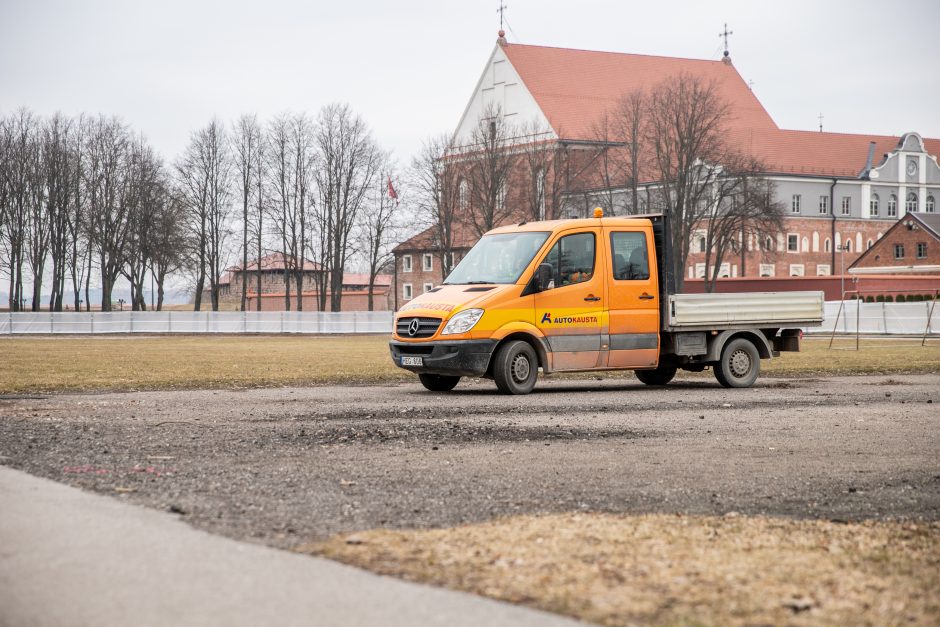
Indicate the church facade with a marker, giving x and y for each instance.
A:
(840, 192)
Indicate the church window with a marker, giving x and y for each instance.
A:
(892, 206)
(931, 204)
(911, 204)
(846, 205)
(824, 204)
(795, 203)
(875, 201)
(463, 194)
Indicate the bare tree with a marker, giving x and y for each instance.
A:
(109, 198)
(246, 144)
(59, 154)
(377, 227)
(685, 120)
(18, 169)
(542, 168)
(144, 195)
(170, 240)
(290, 164)
(489, 159)
(348, 161)
(742, 210)
(442, 196)
(629, 117)
(205, 173)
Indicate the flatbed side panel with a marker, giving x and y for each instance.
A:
(772, 309)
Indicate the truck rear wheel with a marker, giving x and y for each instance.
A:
(515, 368)
(657, 376)
(438, 382)
(739, 364)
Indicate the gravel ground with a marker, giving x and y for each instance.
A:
(288, 466)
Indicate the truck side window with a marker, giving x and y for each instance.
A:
(630, 260)
(572, 259)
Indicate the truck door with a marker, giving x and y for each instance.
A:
(571, 313)
(634, 299)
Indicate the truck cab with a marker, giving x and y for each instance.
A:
(564, 296)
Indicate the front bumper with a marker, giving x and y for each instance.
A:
(465, 358)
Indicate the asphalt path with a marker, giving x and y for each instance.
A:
(284, 467)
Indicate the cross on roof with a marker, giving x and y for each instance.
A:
(820, 116)
(724, 35)
(500, 10)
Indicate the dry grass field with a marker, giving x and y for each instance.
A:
(102, 363)
(674, 570)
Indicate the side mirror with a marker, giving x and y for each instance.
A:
(544, 276)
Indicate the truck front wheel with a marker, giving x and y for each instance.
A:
(739, 364)
(438, 382)
(515, 368)
(658, 376)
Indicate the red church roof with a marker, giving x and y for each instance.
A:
(574, 88)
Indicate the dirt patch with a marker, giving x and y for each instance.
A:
(666, 569)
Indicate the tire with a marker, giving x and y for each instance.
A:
(739, 364)
(438, 382)
(515, 368)
(659, 376)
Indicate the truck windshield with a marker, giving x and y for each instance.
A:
(498, 258)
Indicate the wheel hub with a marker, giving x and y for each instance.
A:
(740, 363)
(520, 368)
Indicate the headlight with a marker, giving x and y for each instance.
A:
(462, 322)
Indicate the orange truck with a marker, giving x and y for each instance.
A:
(587, 295)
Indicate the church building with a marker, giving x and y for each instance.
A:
(840, 192)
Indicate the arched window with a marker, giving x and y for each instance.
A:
(805, 245)
(828, 246)
(858, 242)
(892, 206)
(911, 205)
(701, 244)
(931, 204)
(463, 194)
(870, 243)
(815, 242)
(501, 196)
(874, 204)
(848, 246)
(769, 243)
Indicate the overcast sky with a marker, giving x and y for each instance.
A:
(409, 67)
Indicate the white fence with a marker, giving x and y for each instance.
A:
(872, 318)
(880, 318)
(312, 322)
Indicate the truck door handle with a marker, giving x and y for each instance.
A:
(592, 298)
(645, 296)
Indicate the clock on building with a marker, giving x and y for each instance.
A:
(911, 167)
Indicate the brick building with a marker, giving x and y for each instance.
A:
(271, 267)
(842, 192)
(910, 246)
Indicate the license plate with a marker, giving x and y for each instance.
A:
(412, 361)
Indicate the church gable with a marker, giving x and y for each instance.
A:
(500, 87)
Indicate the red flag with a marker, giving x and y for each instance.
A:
(391, 190)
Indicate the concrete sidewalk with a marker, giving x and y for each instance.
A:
(68, 557)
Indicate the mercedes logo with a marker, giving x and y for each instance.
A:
(413, 327)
